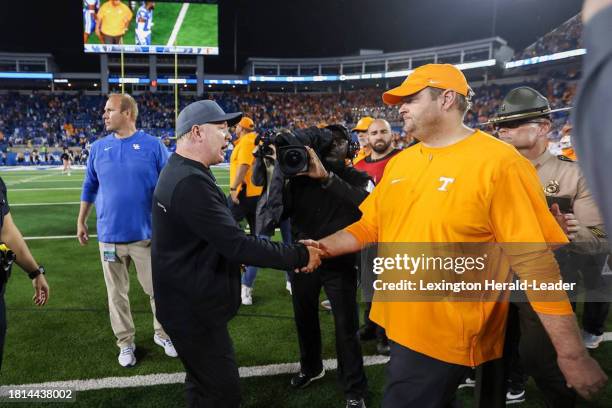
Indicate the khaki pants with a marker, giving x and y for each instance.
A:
(118, 286)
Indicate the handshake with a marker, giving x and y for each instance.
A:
(316, 253)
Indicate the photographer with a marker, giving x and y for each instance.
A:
(322, 194)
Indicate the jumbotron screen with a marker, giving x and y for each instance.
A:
(150, 27)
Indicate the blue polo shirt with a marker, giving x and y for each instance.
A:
(120, 178)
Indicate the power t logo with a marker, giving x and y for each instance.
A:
(445, 182)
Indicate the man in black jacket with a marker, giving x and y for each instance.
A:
(319, 202)
(197, 249)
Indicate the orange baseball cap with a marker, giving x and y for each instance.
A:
(363, 124)
(247, 123)
(443, 76)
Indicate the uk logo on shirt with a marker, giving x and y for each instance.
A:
(136, 146)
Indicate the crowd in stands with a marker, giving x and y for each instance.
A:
(73, 120)
(568, 36)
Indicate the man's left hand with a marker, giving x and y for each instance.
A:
(41, 290)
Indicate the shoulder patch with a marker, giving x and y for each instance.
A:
(598, 232)
(565, 158)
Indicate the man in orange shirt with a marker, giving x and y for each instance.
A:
(112, 21)
(361, 128)
(243, 193)
(460, 186)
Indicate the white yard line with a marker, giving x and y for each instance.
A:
(177, 378)
(56, 237)
(43, 204)
(67, 180)
(44, 189)
(178, 24)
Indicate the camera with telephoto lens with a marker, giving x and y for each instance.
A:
(291, 145)
(293, 159)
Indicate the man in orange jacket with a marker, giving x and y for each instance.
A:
(460, 186)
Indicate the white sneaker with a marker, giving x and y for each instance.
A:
(127, 358)
(247, 295)
(326, 304)
(288, 287)
(590, 340)
(166, 344)
(515, 397)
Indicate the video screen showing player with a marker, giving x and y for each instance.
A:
(90, 11)
(127, 26)
(144, 23)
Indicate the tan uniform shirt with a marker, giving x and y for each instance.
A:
(561, 177)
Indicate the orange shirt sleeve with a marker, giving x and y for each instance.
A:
(523, 223)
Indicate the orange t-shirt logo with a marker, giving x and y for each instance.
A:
(445, 182)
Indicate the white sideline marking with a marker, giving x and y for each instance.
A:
(176, 378)
(45, 189)
(247, 230)
(80, 181)
(178, 24)
(41, 204)
(57, 237)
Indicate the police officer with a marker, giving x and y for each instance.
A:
(524, 121)
(12, 241)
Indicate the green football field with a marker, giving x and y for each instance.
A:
(71, 339)
(198, 28)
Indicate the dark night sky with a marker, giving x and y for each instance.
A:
(299, 28)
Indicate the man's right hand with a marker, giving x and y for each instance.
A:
(314, 260)
(82, 234)
(316, 244)
(583, 374)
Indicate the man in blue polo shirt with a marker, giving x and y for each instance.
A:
(122, 172)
